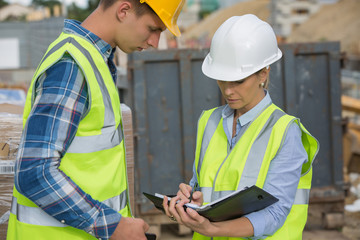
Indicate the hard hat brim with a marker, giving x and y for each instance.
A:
(227, 73)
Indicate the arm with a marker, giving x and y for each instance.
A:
(281, 181)
(61, 101)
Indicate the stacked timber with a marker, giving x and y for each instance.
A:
(10, 133)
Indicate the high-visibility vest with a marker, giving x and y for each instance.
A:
(221, 171)
(95, 160)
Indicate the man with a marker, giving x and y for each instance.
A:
(70, 177)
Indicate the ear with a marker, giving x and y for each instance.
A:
(264, 73)
(122, 10)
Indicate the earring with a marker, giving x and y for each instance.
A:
(262, 84)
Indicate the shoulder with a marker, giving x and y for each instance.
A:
(64, 74)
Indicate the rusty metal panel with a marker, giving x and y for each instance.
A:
(169, 93)
(310, 90)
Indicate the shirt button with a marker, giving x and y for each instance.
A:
(62, 221)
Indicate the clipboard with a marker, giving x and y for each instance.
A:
(234, 205)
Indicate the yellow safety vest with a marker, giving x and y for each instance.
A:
(95, 160)
(221, 171)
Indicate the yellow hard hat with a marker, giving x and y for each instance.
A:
(168, 11)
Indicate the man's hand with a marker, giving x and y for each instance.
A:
(130, 229)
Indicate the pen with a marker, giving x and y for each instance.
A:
(193, 190)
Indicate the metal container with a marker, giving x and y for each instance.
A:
(169, 91)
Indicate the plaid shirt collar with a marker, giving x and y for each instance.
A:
(74, 27)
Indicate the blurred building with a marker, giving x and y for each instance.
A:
(14, 11)
(18, 12)
(286, 15)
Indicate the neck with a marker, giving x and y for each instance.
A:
(99, 23)
(241, 111)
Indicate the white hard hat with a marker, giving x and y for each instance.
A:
(241, 46)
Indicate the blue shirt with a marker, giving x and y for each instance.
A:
(283, 175)
(61, 102)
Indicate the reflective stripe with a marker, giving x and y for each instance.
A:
(109, 117)
(118, 202)
(54, 49)
(37, 216)
(33, 215)
(209, 132)
(209, 195)
(86, 144)
(302, 196)
(257, 152)
(110, 137)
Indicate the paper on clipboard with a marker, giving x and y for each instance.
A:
(234, 205)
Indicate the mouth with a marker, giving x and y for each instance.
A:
(231, 100)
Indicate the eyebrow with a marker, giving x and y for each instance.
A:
(156, 28)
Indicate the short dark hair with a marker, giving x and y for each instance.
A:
(140, 8)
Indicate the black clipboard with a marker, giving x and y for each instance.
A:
(150, 236)
(232, 206)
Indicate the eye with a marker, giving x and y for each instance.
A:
(153, 29)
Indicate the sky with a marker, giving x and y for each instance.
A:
(80, 3)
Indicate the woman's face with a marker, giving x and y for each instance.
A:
(243, 95)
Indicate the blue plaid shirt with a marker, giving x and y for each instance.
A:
(61, 101)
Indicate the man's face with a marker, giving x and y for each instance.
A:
(140, 32)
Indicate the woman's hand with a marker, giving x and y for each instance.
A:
(186, 192)
(175, 210)
(193, 220)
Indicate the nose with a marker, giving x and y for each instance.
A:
(227, 88)
(153, 40)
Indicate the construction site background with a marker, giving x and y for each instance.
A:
(338, 22)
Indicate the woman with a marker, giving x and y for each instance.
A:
(249, 141)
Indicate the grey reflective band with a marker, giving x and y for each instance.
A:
(209, 195)
(302, 196)
(110, 135)
(118, 202)
(54, 49)
(257, 152)
(85, 144)
(33, 215)
(209, 131)
(37, 216)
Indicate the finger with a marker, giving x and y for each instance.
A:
(179, 208)
(173, 210)
(172, 204)
(186, 219)
(146, 227)
(197, 196)
(185, 189)
(166, 206)
(181, 195)
(193, 214)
